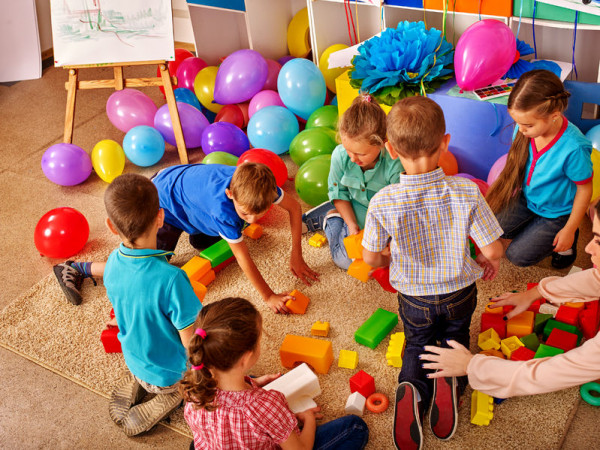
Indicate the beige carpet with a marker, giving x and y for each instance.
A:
(41, 326)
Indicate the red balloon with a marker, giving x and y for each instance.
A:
(244, 108)
(232, 114)
(269, 159)
(61, 232)
(180, 55)
(482, 185)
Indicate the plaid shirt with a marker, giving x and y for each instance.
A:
(249, 419)
(428, 218)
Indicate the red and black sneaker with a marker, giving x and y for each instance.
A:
(408, 429)
(443, 415)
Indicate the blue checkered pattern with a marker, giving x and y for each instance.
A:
(427, 219)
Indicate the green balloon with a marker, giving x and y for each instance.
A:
(312, 142)
(224, 158)
(311, 180)
(325, 116)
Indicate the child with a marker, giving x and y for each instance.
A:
(544, 191)
(502, 378)
(154, 304)
(359, 168)
(427, 219)
(227, 409)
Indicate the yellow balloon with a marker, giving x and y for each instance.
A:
(331, 74)
(297, 34)
(204, 86)
(596, 179)
(108, 159)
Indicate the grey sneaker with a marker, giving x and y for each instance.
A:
(70, 280)
(313, 218)
(125, 395)
(142, 417)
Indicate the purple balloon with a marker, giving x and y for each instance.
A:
(285, 59)
(465, 175)
(224, 137)
(241, 75)
(262, 99)
(273, 68)
(66, 164)
(187, 71)
(130, 108)
(192, 121)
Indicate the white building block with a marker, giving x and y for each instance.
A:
(300, 385)
(355, 404)
(548, 308)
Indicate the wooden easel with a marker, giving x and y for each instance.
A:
(119, 83)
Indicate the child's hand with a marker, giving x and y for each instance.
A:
(277, 303)
(312, 413)
(353, 228)
(490, 267)
(266, 379)
(112, 322)
(300, 269)
(520, 300)
(563, 240)
(449, 362)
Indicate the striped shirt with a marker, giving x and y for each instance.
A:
(427, 219)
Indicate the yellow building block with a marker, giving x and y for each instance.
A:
(482, 408)
(320, 328)
(317, 353)
(493, 309)
(489, 339)
(353, 244)
(510, 344)
(348, 359)
(299, 305)
(207, 278)
(359, 270)
(520, 325)
(199, 290)
(196, 268)
(253, 231)
(395, 350)
(317, 240)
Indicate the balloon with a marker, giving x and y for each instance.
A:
(224, 137)
(496, 169)
(66, 164)
(448, 163)
(273, 68)
(129, 108)
(312, 142)
(108, 159)
(268, 158)
(596, 179)
(325, 116)
(184, 95)
(244, 108)
(187, 71)
(192, 121)
(593, 135)
(482, 185)
(311, 180)
(180, 55)
(334, 101)
(285, 59)
(204, 88)
(484, 52)
(232, 114)
(465, 175)
(227, 159)
(273, 128)
(298, 38)
(61, 233)
(241, 75)
(262, 99)
(144, 146)
(331, 74)
(301, 87)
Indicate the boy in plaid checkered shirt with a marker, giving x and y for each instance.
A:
(427, 219)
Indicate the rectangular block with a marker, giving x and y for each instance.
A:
(300, 385)
(317, 353)
(495, 321)
(353, 244)
(217, 253)
(546, 350)
(502, 8)
(224, 264)
(299, 305)
(199, 289)
(110, 341)
(395, 350)
(207, 278)
(522, 354)
(553, 323)
(562, 339)
(196, 267)
(520, 325)
(376, 327)
(382, 275)
(567, 314)
(253, 231)
(482, 408)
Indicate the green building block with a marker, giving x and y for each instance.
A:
(376, 327)
(553, 323)
(531, 341)
(539, 322)
(217, 253)
(545, 350)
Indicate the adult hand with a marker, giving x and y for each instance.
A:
(449, 362)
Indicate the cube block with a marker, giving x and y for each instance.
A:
(359, 270)
(348, 359)
(363, 383)
(299, 305)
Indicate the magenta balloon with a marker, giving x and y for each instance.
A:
(187, 71)
(273, 68)
(484, 52)
(241, 75)
(66, 164)
(496, 169)
(224, 137)
(192, 121)
(262, 99)
(130, 108)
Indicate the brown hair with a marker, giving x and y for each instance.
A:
(364, 120)
(416, 127)
(131, 202)
(232, 328)
(539, 91)
(253, 186)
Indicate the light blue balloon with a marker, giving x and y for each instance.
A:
(272, 128)
(144, 146)
(301, 87)
(593, 135)
(185, 95)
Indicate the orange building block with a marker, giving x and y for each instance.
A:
(520, 325)
(354, 246)
(207, 278)
(199, 290)
(493, 309)
(359, 270)
(502, 8)
(253, 231)
(196, 268)
(299, 305)
(576, 305)
(317, 353)
(493, 352)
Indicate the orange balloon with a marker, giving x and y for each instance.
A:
(448, 163)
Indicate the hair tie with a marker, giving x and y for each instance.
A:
(200, 332)
(200, 367)
(367, 98)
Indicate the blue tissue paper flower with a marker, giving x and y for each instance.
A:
(393, 65)
(521, 66)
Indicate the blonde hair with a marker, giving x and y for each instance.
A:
(364, 120)
(253, 186)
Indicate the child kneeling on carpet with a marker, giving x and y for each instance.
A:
(154, 303)
(427, 219)
(227, 409)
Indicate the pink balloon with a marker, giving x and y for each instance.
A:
(130, 108)
(262, 99)
(484, 52)
(193, 123)
(273, 68)
(496, 169)
(241, 75)
(187, 71)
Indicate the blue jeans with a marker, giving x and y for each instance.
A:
(347, 433)
(431, 320)
(531, 235)
(336, 230)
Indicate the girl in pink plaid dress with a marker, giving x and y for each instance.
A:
(226, 409)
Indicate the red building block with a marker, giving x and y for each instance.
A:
(495, 321)
(363, 383)
(522, 354)
(112, 313)
(224, 264)
(110, 341)
(535, 306)
(382, 275)
(588, 319)
(561, 339)
(566, 314)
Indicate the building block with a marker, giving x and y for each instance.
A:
(567, 314)
(362, 382)
(207, 278)
(509, 345)
(489, 339)
(493, 352)
(545, 350)
(548, 308)
(299, 305)
(355, 404)
(359, 270)
(348, 359)
(552, 323)
(520, 325)
(577, 305)
(395, 350)
(317, 240)
(253, 231)
(317, 353)
(522, 354)
(491, 308)
(482, 408)
(375, 328)
(300, 385)
(199, 290)
(320, 328)
(535, 306)
(495, 321)
(531, 341)
(353, 244)
(217, 253)
(224, 264)
(588, 320)
(110, 340)
(539, 322)
(111, 313)
(196, 268)
(562, 339)
(382, 275)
